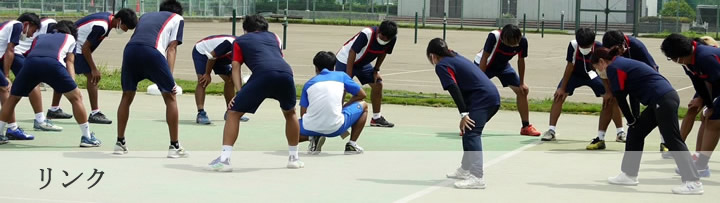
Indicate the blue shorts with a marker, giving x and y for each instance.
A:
(81, 65)
(352, 114)
(574, 82)
(15, 68)
(366, 74)
(262, 85)
(42, 69)
(145, 62)
(222, 65)
(507, 76)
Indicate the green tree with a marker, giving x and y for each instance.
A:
(678, 8)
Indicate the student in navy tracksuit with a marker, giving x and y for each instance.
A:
(500, 47)
(632, 48)
(272, 77)
(92, 30)
(579, 72)
(150, 54)
(702, 65)
(476, 98)
(213, 54)
(644, 85)
(50, 60)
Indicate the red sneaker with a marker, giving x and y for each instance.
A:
(530, 131)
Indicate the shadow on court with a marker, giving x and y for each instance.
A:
(599, 186)
(403, 182)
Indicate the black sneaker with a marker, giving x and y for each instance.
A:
(350, 150)
(59, 114)
(99, 118)
(381, 122)
(316, 143)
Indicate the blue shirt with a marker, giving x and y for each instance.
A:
(638, 51)
(501, 54)
(322, 96)
(93, 29)
(637, 79)
(477, 90)
(10, 32)
(261, 51)
(581, 62)
(54, 45)
(365, 45)
(158, 30)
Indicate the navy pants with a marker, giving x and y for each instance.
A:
(472, 159)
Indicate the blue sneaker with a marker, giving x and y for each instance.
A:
(202, 118)
(90, 142)
(220, 166)
(242, 119)
(18, 134)
(702, 173)
(3, 139)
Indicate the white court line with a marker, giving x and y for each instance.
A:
(37, 200)
(406, 72)
(445, 183)
(684, 88)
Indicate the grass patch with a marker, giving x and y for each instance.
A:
(111, 81)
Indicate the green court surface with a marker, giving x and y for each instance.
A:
(402, 164)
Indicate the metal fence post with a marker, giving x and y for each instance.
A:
(542, 26)
(444, 25)
(524, 23)
(416, 26)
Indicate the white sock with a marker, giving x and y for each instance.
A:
(40, 117)
(226, 151)
(376, 115)
(3, 124)
(293, 151)
(85, 129)
(601, 134)
(620, 130)
(352, 143)
(54, 108)
(12, 126)
(93, 112)
(552, 127)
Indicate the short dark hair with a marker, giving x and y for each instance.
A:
(676, 45)
(171, 6)
(253, 23)
(613, 38)
(388, 29)
(438, 47)
(585, 37)
(604, 53)
(324, 60)
(128, 17)
(511, 34)
(67, 27)
(32, 18)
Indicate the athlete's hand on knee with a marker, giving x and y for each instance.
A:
(524, 89)
(378, 78)
(95, 76)
(205, 80)
(231, 103)
(466, 123)
(695, 103)
(174, 90)
(560, 93)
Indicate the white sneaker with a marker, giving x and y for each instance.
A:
(471, 182)
(623, 179)
(460, 173)
(175, 153)
(220, 166)
(120, 148)
(689, 188)
(621, 137)
(548, 136)
(295, 163)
